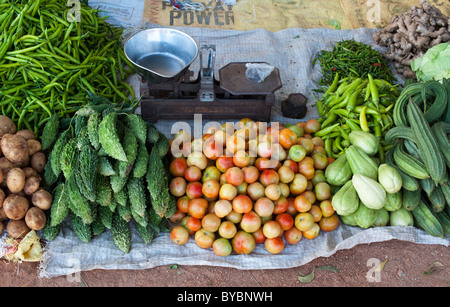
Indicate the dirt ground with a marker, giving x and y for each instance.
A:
(383, 264)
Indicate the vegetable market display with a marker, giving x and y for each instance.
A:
(49, 65)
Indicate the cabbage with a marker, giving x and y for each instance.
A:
(434, 64)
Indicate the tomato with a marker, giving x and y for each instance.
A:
(211, 222)
(194, 190)
(197, 159)
(274, 245)
(329, 223)
(278, 153)
(222, 207)
(228, 128)
(222, 247)
(312, 126)
(223, 163)
(280, 205)
(234, 217)
(235, 143)
(183, 204)
(293, 235)
(297, 153)
(286, 174)
(244, 122)
(179, 235)
(197, 207)
(264, 207)
(243, 242)
(263, 164)
(292, 165)
(234, 176)
(220, 138)
(242, 188)
(318, 141)
(310, 196)
(250, 222)
(272, 229)
(227, 229)
(193, 173)
(320, 160)
(312, 232)
(306, 143)
(318, 149)
(285, 190)
(273, 191)
(296, 129)
(251, 174)
(241, 159)
(327, 208)
(210, 188)
(319, 176)
(256, 190)
(259, 236)
(285, 220)
(178, 167)
(227, 191)
(204, 239)
(323, 191)
(211, 172)
(287, 138)
(264, 149)
(299, 184)
(269, 177)
(316, 212)
(304, 221)
(177, 186)
(242, 204)
(302, 204)
(212, 151)
(291, 206)
(306, 169)
(193, 224)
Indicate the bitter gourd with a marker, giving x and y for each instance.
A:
(121, 234)
(60, 205)
(136, 195)
(69, 157)
(81, 229)
(130, 146)
(50, 132)
(109, 137)
(141, 163)
(136, 124)
(92, 128)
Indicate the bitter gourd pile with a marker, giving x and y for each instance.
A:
(106, 169)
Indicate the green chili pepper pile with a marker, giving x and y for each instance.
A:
(49, 65)
(351, 104)
(351, 58)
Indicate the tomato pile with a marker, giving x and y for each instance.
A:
(246, 184)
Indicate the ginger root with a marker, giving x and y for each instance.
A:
(409, 35)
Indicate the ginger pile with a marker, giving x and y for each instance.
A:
(409, 35)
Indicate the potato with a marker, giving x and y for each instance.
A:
(15, 180)
(14, 148)
(7, 126)
(31, 172)
(3, 216)
(2, 227)
(17, 229)
(38, 161)
(16, 206)
(27, 134)
(31, 185)
(2, 197)
(42, 199)
(35, 218)
(5, 166)
(33, 146)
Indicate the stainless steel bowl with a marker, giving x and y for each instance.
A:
(161, 55)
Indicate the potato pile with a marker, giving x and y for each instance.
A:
(22, 199)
